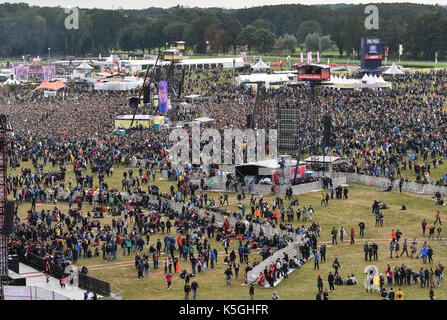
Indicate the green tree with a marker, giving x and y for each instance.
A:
(232, 30)
(247, 37)
(307, 27)
(265, 40)
(313, 41)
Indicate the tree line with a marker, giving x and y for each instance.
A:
(25, 29)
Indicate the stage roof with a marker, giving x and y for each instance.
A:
(56, 85)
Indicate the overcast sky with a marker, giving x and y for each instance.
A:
(141, 4)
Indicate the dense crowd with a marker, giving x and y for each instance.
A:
(382, 133)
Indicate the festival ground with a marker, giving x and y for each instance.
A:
(302, 283)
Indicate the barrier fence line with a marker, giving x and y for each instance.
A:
(85, 282)
(380, 182)
(291, 250)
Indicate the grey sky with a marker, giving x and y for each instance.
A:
(141, 4)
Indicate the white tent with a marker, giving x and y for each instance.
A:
(260, 65)
(84, 66)
(118, 85)
(11, 82)
(262, 77)
(393, 70)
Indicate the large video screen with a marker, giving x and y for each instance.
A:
(163, 105)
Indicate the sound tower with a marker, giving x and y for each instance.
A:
(8, 218)
(288, 128)
(326, 130)
(249, 116)
(146, 94)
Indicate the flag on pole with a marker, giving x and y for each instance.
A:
(234, 62)
(401, 49)
(288, 62)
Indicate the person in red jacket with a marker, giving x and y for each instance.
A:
(424, 227)
(389, 275)
(352, 235)
(168, 280)
(438, 218)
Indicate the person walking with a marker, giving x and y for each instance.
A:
(330, 280)
(316, 260)
(439, 229)
(251, 292)
(438, 218)
(320, 283)
(391, 249)
(323, 253)
(194, 287)
(404, 248)
(362, 228)
(169, 280)
(334, 236)
(424, 227)
(352, 236)
(367, 251)
(341, 232)
(325, 295)
(228, 273)
(336, 265)
(187, 289)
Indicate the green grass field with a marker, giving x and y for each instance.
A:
(302, 283)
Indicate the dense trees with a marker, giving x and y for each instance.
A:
(32, 30)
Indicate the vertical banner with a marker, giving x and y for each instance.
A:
(318, 56)
(302, 57)
(309, 56)
(163, 105)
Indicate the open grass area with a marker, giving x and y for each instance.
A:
(302, 283)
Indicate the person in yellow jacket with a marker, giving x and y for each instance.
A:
(399, 295)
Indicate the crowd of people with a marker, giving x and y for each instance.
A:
(382, 133)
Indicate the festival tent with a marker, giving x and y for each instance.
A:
(260, 65)
(393, 70)
(262, 77)
(204, 120)
(118, 85)
(56, 85)
(84, 66)
(11, 82)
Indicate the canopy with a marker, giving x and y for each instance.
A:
(56, 85)
(260, 65)
(11, 82)
(118, 85)
(393, 70)
(204, 119)
(262, 77)
(84, 66)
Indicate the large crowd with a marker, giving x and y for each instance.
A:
(381, 133)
